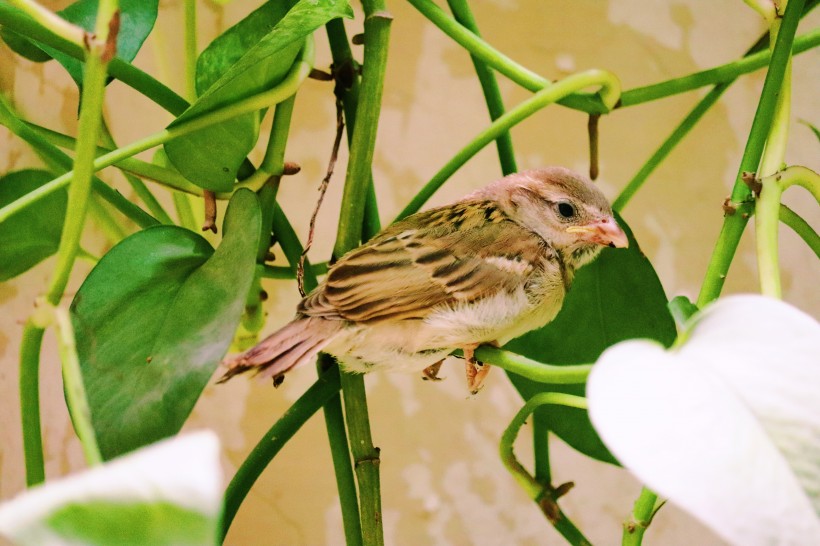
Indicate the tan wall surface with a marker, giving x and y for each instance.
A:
(442, 480)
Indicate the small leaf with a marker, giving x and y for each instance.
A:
(682, 309)
(32, 235)
(616, 297)
(154, 318)
(248, 59)
(726, 425)
(168, 493)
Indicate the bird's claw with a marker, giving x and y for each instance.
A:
(431, 372)
(476, 371)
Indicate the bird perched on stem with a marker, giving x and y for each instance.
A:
(482, 270)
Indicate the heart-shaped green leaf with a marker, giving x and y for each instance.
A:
(250, 57)
(154, 318)
(616, 297)
(32, 235)
(726, 424)
(165, 494)
(137, 18)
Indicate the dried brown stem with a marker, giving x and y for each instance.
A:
(340, 124)
(209, 199)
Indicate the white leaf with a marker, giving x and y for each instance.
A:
(176, 478)
(727, 425)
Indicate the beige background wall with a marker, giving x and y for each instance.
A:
(442, 480)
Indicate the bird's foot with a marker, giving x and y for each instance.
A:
(476, 371)
(431, 372)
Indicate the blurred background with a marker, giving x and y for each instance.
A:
(442, 480)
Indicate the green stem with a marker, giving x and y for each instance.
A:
(78, 197)
(668, 145)
(51, 21)
(76, 398)
(723, 73)
(541, 447)
(489, 85)
(113, 231)
(801, 227)
(274, 440)
(734, 224)
(59, 162)
(482, 50)
(185, 212)
(362, 146)
(532, 369)
(136, 184)
(347, 68)
(363, 141)
(140, 81)
(190, 50)
(342, 466)
(767, 211)
(281, 272)
(167, 177)
(30, 345)
(639, 520)
(610, 89)
(589, 103)
(541, 493)
(265, 99)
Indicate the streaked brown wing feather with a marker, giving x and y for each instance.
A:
(446, 256)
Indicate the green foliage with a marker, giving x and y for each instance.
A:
(154, 318)
(33, 235)
(250, 57)
(160, 309)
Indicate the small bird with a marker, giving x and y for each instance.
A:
(483, 270)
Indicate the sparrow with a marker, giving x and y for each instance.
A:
(483, 270)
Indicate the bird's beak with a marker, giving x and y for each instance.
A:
(603, 232)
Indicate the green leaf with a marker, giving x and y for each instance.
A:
(23, 46)
(682, 309)
(249, 58)
(137, 19)
(616, 297)
(165, 494)
(32, 235)
(154, 318)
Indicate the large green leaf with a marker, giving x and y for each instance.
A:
(137, 19)
(617, 297)
(153, 320)
(32, 235)
(249, 58)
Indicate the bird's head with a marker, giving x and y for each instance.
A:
(564, 208)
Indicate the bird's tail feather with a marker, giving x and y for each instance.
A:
(294, 344)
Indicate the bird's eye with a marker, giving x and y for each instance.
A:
(566, 210)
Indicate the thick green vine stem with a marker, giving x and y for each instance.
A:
(644, 509)
(489, 85)
(767, 213)
(531, 369)
(734, 224)
(274, 440)
(75, 395)
(101, 48)
(362, 146)
(542, 493)
(609, 93)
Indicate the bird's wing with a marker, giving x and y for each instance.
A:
(454, 254)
